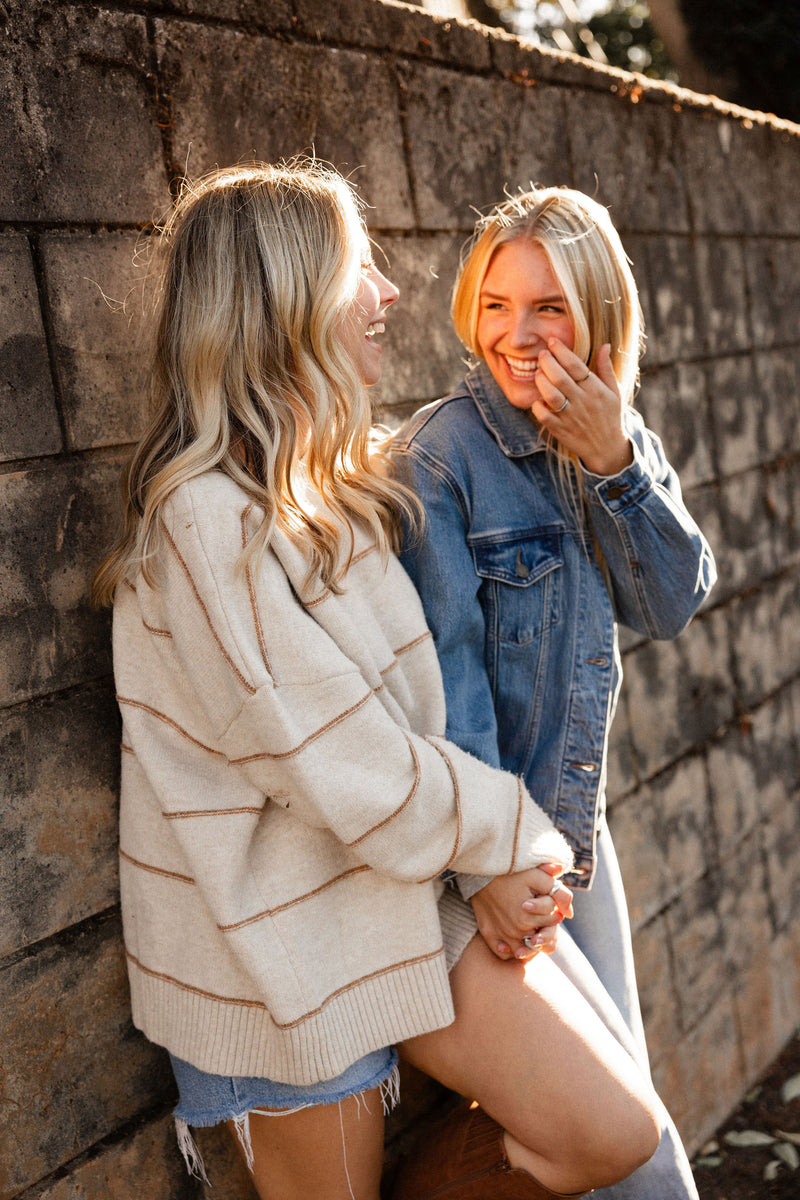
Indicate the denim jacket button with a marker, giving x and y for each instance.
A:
(616, 490)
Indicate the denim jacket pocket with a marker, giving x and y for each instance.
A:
(520, 591)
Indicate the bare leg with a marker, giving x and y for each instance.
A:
(330, 1152)
(577, 1111)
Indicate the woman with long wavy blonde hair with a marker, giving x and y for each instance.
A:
(289, 805)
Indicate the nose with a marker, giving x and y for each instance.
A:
(522, 331)
(386, 289)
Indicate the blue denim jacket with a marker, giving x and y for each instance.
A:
(524, 620)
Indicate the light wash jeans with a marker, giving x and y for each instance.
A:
(600, 933)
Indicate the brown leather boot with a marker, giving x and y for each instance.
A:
(463, 1157)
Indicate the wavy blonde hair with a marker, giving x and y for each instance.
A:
(259, 265)
(588, 260)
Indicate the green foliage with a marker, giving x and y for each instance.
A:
(628, 39)
(754, 44)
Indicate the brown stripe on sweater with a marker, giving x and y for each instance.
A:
(279, 908)
(172, 724)
(249, 687)
(127, 749)
(457, 798)
(135, 862)
(188, 987)
(408, 799)
(423, 637)
(312, 737)
(262, 645)
(158, 632)
(183, 814)
(517, 827)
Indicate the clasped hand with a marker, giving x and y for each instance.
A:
(513, 907)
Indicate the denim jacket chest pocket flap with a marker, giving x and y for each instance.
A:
(520, 589)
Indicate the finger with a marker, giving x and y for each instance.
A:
(605, 371)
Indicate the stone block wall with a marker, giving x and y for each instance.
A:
(106, 104)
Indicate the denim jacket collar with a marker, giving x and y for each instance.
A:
(512, 427)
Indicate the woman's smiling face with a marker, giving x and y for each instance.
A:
(521, 306)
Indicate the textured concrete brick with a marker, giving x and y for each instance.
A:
(767, 998)
(679, 692)
(737, 419)
(225, 1166)
(743, 904)
(747, 158)
(663, 835)
(704, 1076)
(74, 1069)
(508, 136)
(422, 358)
(55, 524)
(697, 939)
(235, 96)
(82, 141)
(95, 292)
(723, 294)
(146, 1163)
(629, 156)
(404, 29)
(776, 750)
(777, 398)
(657, 995)
(674, 403)
(674, 330)
(747, 526)
(622, 774)
(772, 269)
(782, 848)
(765, 638)
(733, 788)
(28, 417)
(277, 16)
(58, 823)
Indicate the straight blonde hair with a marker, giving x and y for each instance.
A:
(256, 268)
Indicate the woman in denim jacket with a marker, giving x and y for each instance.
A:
(552, 514)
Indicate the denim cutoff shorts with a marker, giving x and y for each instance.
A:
(207, 1099)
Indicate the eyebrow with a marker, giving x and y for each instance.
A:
(485, 294)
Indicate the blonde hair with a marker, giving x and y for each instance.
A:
(587, 259)
(259, 265)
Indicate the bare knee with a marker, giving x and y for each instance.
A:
(628, 1146)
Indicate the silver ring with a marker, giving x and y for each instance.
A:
(557, 886)
(526, 941)
(563, 406)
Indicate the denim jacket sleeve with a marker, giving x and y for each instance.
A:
(440, 565)
(661, 566)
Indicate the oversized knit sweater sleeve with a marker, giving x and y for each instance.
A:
(229, 676)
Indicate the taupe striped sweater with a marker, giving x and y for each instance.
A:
(288, 804)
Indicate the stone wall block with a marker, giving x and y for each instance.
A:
(765, 640)
(657, 995)
(235, 96)
(422, 358)
(74, 1068)
(743, 904)
(722, 285)
(782, 846)
(674, 328)
(56, 521)
(679, 692)
(95, 285)
(698, 944)
(776, 749)
(28, 417)
(777, 399)
(631, 157)
(730, 149)
(622, 773)
(82, 142)
(275, 17)
(673, 402)
(407, 31)
(482, 116)
(747, 524)
(663, 836)
(146, 1163)
(704, 1075)
(772, 268)
(59, 764)
(736, 414)
(733, 788)
(766, 999)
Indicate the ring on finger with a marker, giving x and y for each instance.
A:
(583, 377)
(526, 941)
(563, 406)
(557, 886)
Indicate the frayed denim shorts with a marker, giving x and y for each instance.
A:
(206, 1099)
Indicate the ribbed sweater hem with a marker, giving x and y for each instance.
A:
(230, 1038)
